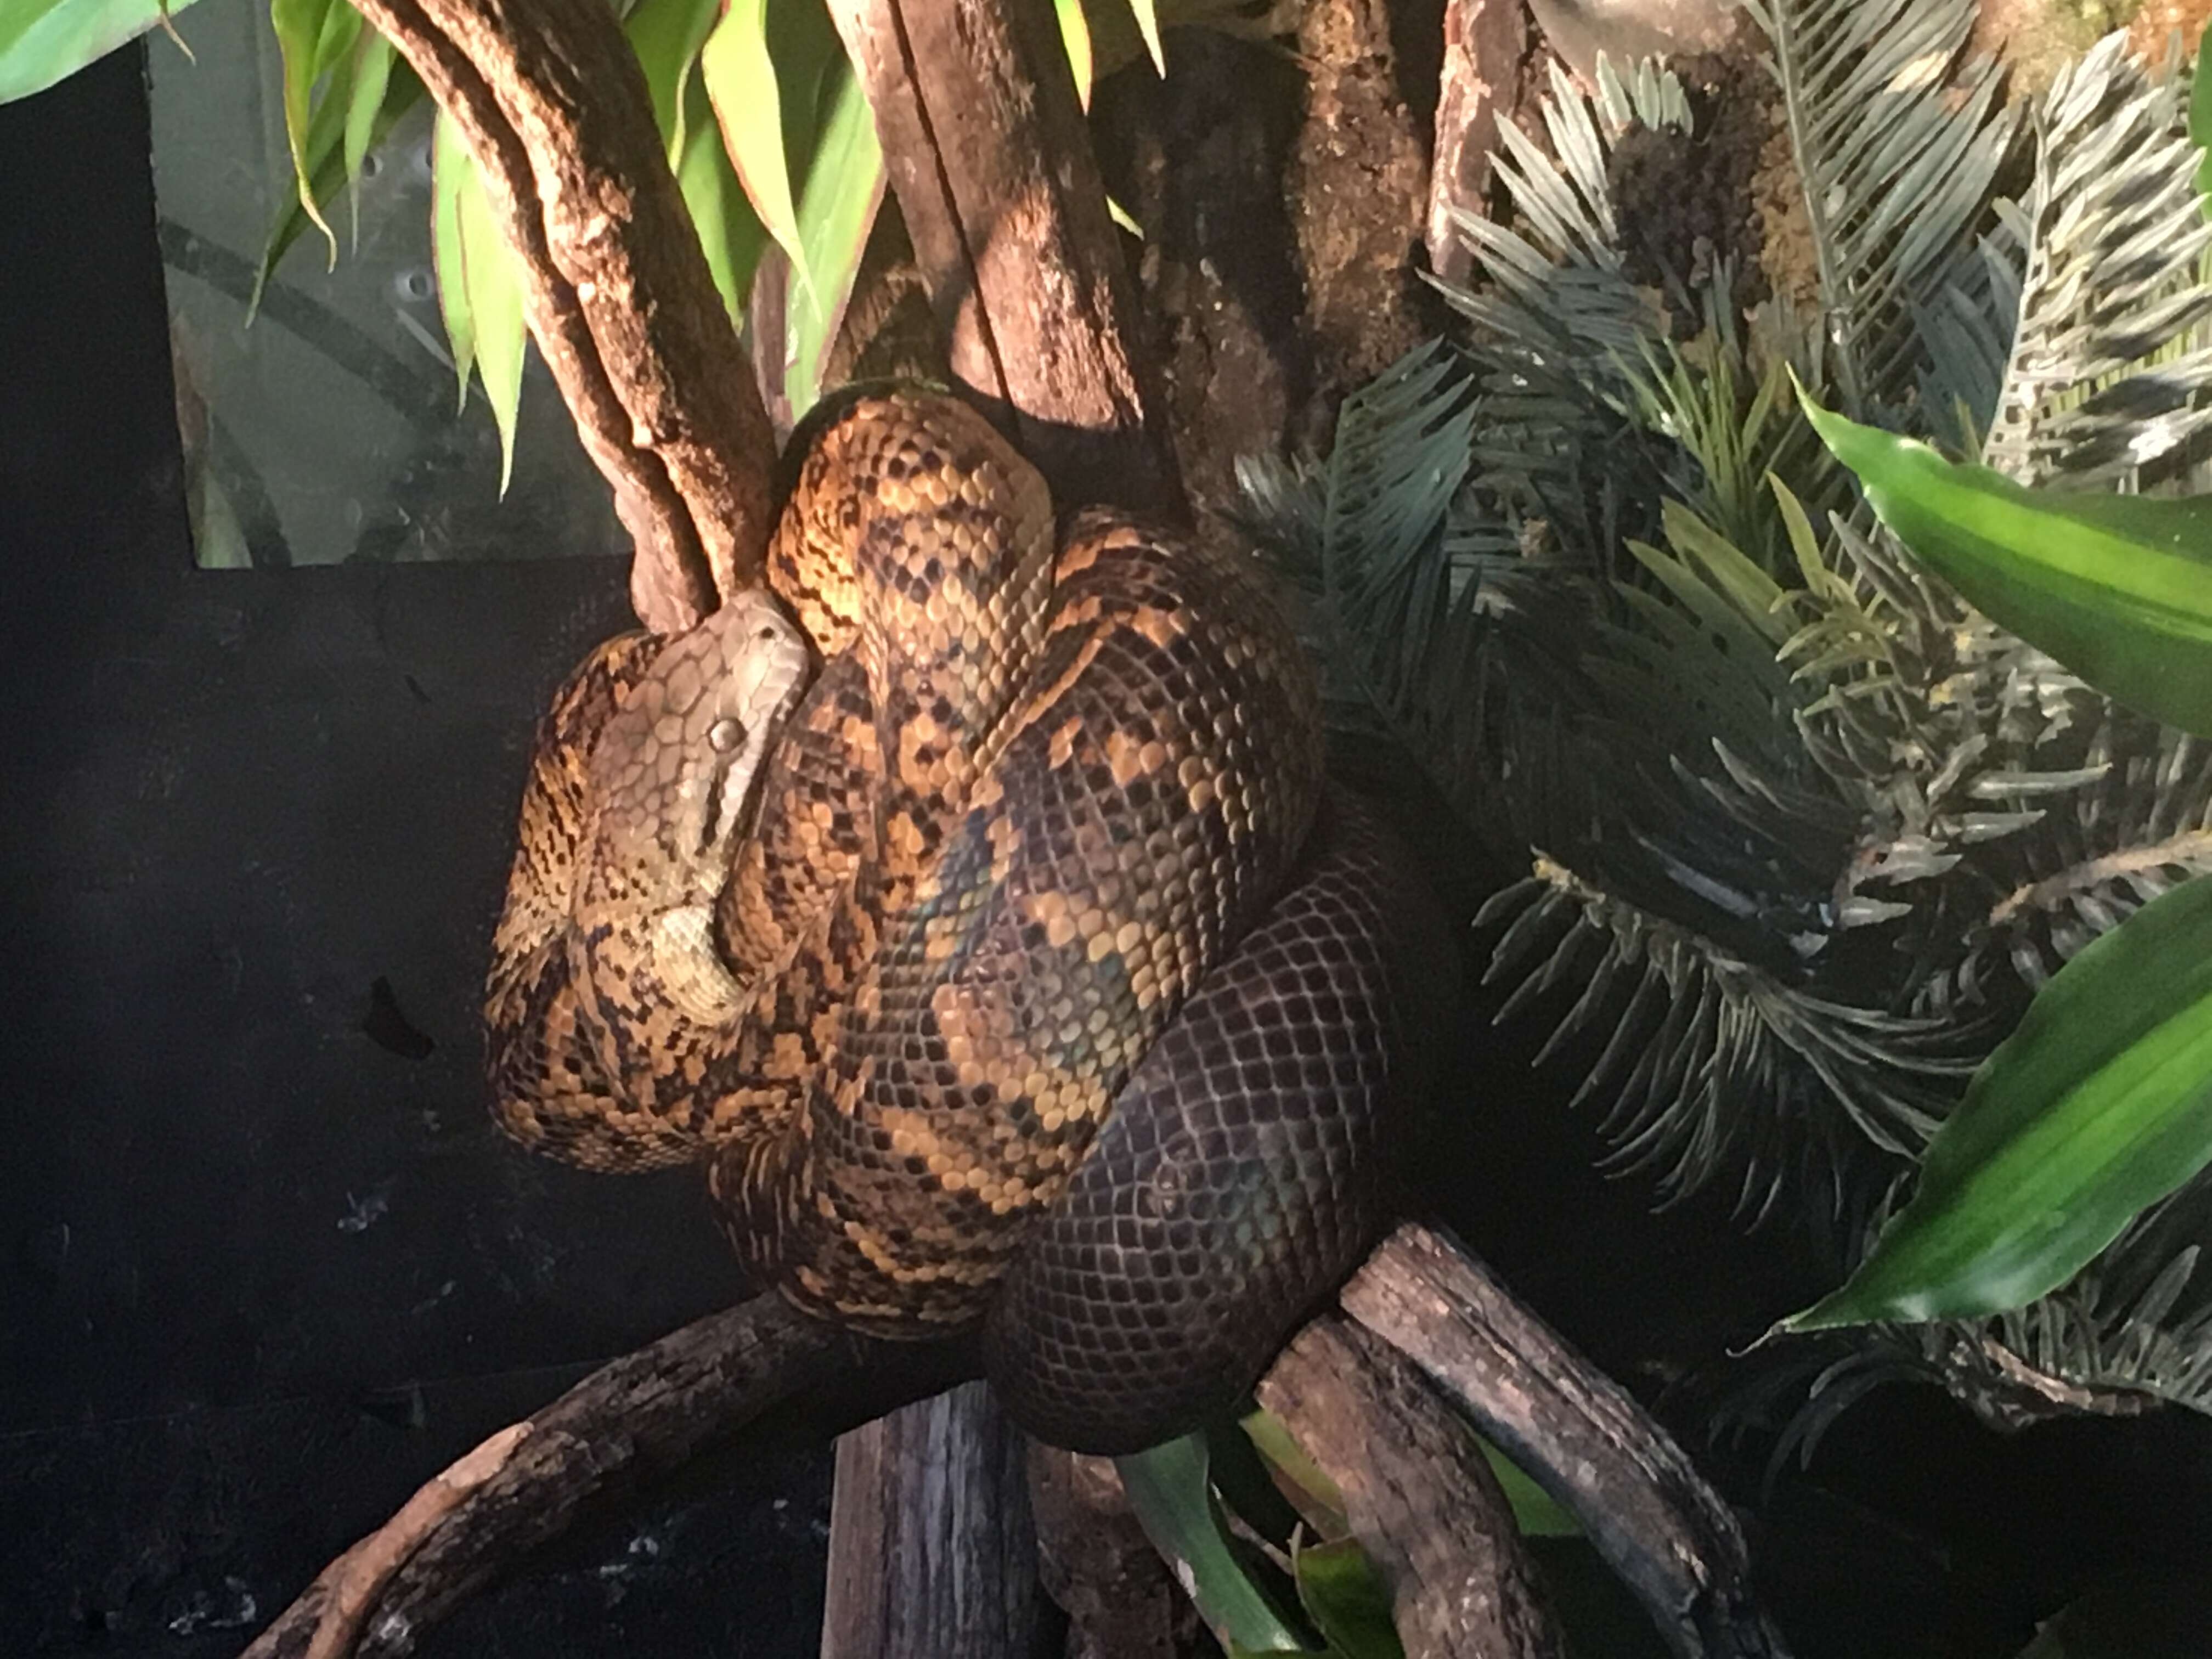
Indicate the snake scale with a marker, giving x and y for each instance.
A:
(990, 934)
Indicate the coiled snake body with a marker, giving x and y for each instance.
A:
(1012, 965)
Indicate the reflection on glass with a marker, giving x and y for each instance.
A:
(330, 429)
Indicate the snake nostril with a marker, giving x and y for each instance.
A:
(725, 734)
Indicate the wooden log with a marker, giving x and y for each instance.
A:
(985, 148)
(931, 1549)
(1484, 42)
(1579, 1434)
(550, 100)
(1420, 1494)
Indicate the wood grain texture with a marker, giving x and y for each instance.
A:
(988, 155)
(1580, 1434)
(931, 1549)
(1422, 1500)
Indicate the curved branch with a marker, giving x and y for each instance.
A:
(550, 100)
(640, 1415)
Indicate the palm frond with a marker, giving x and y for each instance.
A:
(1897, 144)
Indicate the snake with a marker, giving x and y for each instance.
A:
(970, 901)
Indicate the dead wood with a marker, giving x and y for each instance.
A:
(1486, 42)
(1583, 1437)
(1419, 1492)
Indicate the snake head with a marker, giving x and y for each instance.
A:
(678, 772)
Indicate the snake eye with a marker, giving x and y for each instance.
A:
(725, 734)
(765, 634)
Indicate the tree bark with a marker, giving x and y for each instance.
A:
(1484, 41)
(550, 100)
(1419, 1493)
(1581, 1435)
(640, 1415)
(1121, 1599)
(931, 1549)
(986, 150)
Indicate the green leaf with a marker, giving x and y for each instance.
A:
(451, 166)
(373, 59)
(495, 295)
(1314, 1494)
(1075, 34)
(1148, 25)
(45, 41)
(2118, 588)
(844, 189)
(331, 160)
(1536, 1511)
(729, 232)
(2099, 1104)
(316, 37)
(2200, 115)
(1348, 1600)
(667, 35)
(1172, 1494)
(757, 93)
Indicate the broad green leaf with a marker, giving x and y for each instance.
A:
(2118, 588)
(43, 42)
(666, 36)
(748, 93)
(1347, 1600)
(729, 232)
(451, 166)
(493, 285)
(2200, 115)
(844, 188)
(2099, 1104)
(316, 37)
(1075, 35)
(1172, 1497)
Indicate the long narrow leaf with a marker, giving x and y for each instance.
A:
(2098, 1105)
(494, 291)
(844, 189)
(2118, 588)
(44, 42)
(450, 167)
(316, 38)
(1172, 1497)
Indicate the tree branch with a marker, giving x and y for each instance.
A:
(550, 100)
(1581, 1435)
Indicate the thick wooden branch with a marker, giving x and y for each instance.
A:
(1580, 1434)
(1419, 1493)
(550, 100)
(931, 1549)
(642, 1414)
(986, 150)
(1484, 41)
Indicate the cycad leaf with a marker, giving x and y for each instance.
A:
(1895, 153)
(2099, 1104)
(2111, 290)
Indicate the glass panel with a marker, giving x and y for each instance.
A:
(328, 430)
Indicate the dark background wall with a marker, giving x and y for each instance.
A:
(264, 1263)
